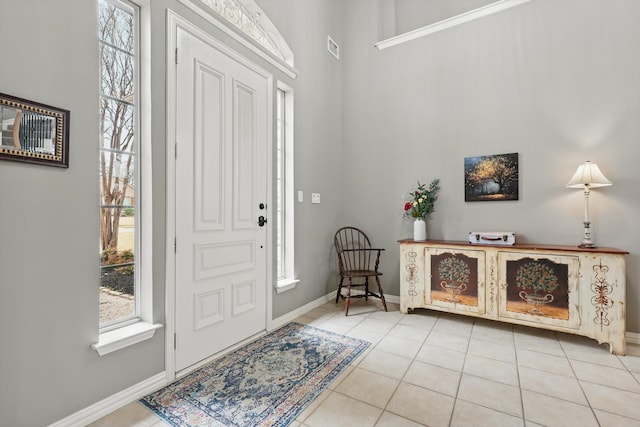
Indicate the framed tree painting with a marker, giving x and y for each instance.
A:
(491, 178)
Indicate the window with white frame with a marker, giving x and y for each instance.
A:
(119, 161)
(126, 285)
(284, 189)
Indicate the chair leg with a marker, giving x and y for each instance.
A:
(339, 289)
(348, 298)
(366, 288)
(384, 303)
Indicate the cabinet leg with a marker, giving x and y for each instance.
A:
(618, 348)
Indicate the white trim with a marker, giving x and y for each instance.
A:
(237, 35)
(287, 278)
(119, 338)
(270, 147)
(271, 31)
(286, 284)
(393, 299)
(145, 161)
(170, 255)
(333, 48)
(112, 403)
(292, 315)
(633, 338)
(480, 12)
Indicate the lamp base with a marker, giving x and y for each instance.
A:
(587, 245)
(586, 239)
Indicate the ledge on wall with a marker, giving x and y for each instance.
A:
(286, 284)
(489, 9)
(124, 337)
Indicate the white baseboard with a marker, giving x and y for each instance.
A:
(113, 402)
(393, 299)
(632, 338)
(292, 315)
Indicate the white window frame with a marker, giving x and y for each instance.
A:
(140, 328)
(285, 208)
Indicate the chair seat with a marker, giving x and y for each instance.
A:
(362, 273)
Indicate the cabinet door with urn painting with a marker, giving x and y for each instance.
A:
(455, 279)
(539, 288)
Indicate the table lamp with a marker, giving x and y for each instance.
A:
(587, 176)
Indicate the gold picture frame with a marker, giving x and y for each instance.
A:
(32, 132)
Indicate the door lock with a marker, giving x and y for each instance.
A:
(262, 221)
(262, 206)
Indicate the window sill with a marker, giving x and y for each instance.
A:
(286, 285)
(117, 339)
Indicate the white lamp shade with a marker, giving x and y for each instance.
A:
(588, 174)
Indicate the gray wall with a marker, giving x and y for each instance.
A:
(318, 122)
(48, 216)
(555, 81)
(413, 14)
(49, 229)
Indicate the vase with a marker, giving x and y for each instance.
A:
(453, 288)
(536, 301)
(419, 230)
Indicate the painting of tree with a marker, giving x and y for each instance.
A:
(492, 177)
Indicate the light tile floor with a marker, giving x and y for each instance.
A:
(437, 369)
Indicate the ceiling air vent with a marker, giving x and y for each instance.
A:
(333, 47)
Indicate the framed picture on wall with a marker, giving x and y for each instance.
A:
(32, 132)
(491, 178)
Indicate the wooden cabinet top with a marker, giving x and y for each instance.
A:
(526, 246)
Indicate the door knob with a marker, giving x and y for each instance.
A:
(262, 221)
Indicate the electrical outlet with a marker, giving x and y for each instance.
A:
(315, 197)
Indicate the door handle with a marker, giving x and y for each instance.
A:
(262, 221)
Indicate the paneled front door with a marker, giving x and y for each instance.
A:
(222, 133)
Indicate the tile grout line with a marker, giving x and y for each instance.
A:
(401, 379)
(515, 349)
(464, 363)
(575, 374)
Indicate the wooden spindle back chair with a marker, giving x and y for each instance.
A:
(357, 261)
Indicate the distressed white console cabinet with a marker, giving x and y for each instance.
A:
(561, 288)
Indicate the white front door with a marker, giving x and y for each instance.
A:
(222, 133)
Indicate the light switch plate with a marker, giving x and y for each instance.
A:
(315, 197)
(300, 196)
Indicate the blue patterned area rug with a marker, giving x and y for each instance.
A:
(266, 383)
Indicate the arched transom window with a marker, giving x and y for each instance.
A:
(249, 18)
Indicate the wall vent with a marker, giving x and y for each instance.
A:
(333, 47)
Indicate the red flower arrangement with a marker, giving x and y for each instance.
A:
(422, 200)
